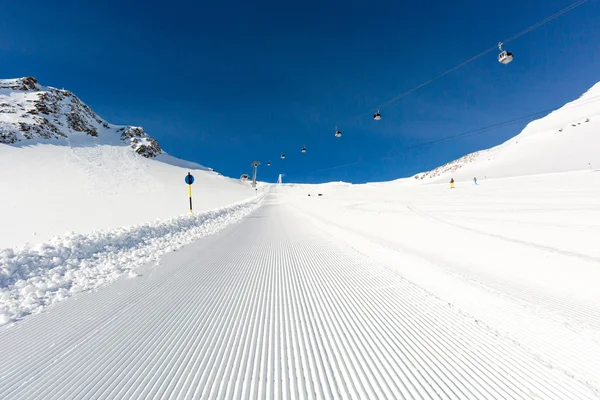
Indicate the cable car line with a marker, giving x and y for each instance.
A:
(436, 141)
(544, 21)
(452, 137)
(394, 99)
(504, 57)
(513, 37)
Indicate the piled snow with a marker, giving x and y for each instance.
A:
(565, 140)
(35, 276)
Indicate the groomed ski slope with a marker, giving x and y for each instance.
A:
(332, 297)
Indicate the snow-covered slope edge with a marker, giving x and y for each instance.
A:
(565, 140)
(34, 277)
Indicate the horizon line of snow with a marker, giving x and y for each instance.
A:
(33, 277)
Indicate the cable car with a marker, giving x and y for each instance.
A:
(282, 156)
(338, 133)
(377, 116)
(303, 149)
(504, 57)
(269, 164)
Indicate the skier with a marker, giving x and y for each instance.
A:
(451, 183)
(475, 180)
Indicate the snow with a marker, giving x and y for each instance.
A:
(178, 162)
(391, 290)
(404, 289)
(53, 189)
(84, 202)
(5, 318)
(518, 255)
(66, 169)
(33, 277)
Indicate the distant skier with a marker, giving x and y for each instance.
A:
(475, 180)
(451, 183)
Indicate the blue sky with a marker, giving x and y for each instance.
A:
(224, 83)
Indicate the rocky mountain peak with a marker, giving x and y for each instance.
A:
(22, 84)
(30, 111)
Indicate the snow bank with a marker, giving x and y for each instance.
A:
(33, 277)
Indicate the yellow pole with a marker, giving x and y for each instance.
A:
(190, 194)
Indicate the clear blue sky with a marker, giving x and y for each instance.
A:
(225, 82)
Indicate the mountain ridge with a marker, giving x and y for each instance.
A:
(30, 111)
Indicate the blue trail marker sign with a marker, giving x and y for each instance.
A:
(189, 179)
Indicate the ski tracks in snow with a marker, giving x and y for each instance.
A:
(271, 308)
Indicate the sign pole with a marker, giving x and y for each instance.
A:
(190, 194)
(189, 179)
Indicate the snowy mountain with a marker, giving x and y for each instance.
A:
(30, 111)
(565, 140)
(65, 169)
